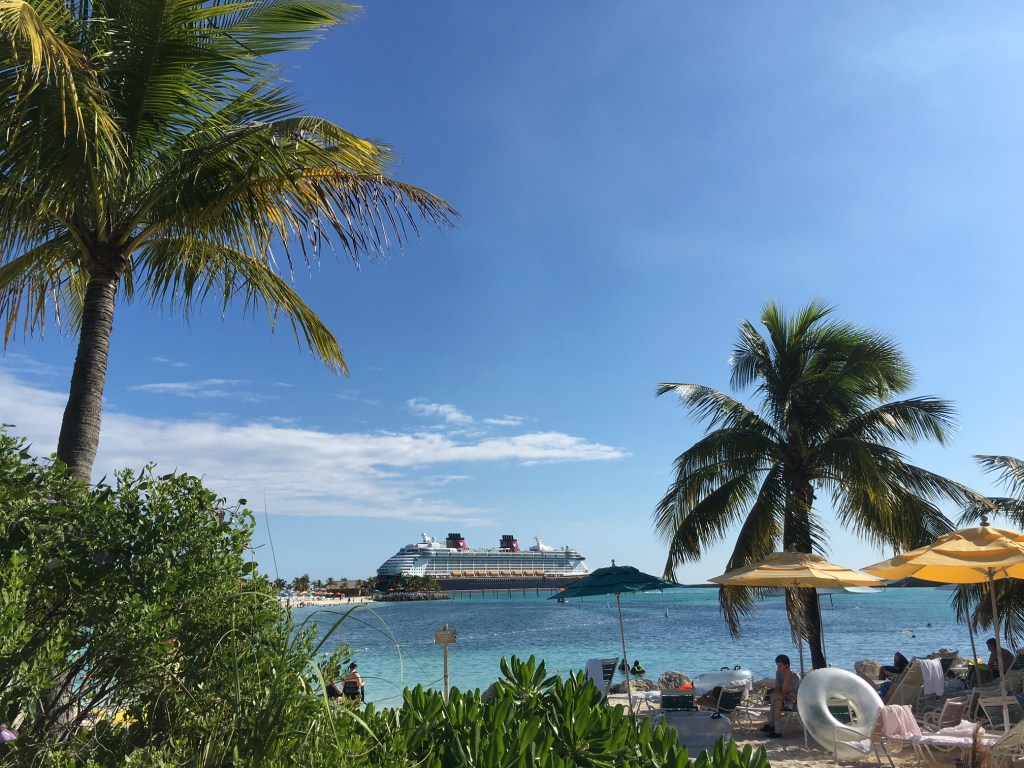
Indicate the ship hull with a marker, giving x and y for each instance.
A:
(463, 584)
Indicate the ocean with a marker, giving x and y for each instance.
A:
(680, 629)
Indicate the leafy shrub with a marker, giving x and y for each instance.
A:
(137, 630)
(537, 721)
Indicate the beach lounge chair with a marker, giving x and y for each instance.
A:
(1009, 748)
(992, 706)
(896, 729)
(907, 688)
(678, 702)
(729, 700)
(952, 712)
(602, 672)
(1015, 674)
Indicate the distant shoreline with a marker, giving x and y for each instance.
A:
(302, 601)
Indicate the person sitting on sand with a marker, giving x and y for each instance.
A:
(1004, 661)
(709, 700)
(899, 663)
(783, 696)
(352, 684)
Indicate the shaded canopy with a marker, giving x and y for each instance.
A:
(795, 569)
(966, 556)
(613, 580)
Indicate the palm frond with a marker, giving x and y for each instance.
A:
(911, 420)
(183, 272)
(1009, 472)
(716, 408)
(41, 278)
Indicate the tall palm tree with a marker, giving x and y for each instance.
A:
(824, 425)
(149, 150)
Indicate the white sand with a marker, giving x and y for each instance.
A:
(790, 752)
(305, 600)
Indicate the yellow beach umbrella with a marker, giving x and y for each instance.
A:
(968, 556)
(792, 569)
(796, 569)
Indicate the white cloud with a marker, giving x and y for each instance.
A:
(449, 413)
(301, 471)
(206, 388)
(505, 421)
(168, 361)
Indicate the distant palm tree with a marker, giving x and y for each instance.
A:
(824, 423)
(150, 152)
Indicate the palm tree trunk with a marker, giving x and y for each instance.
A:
(80, 429)
(812, 617)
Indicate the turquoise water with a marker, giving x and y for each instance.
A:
(679, 629)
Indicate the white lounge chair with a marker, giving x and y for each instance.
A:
(602, 672)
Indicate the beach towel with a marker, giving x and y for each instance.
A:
(897, 721)
(934, 680)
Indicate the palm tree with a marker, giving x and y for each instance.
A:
(971, 602)
(149, 151)
(824, 424)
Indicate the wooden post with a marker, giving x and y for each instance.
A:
(444, 637)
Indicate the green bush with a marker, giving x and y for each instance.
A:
(137, 630)
(536, 721)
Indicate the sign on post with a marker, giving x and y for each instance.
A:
(445, 637)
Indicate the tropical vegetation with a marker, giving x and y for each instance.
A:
(138, 630)
(142, 601)
(824, 428)
(532, 720)
(151, 151)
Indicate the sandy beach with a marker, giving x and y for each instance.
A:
(302, 601)
(790, 751)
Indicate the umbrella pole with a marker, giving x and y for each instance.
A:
(625, 659)
(974, 650)
(999, 651)
(821, 626)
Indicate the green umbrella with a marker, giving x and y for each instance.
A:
(614, 580)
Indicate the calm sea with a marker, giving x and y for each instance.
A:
(679, 629)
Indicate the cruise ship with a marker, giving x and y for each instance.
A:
(457, 566)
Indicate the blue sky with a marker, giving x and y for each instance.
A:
(633, 180)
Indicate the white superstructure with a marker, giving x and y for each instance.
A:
(454, 560)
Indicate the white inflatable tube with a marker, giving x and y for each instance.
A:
(725, 676)
(822, 688)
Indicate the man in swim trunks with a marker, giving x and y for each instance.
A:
(783, 697)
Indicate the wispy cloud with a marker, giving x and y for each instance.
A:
(505, 421)
(24, 365)
(303, 471)
(168, 361)
(449, 413)
(206, 388)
